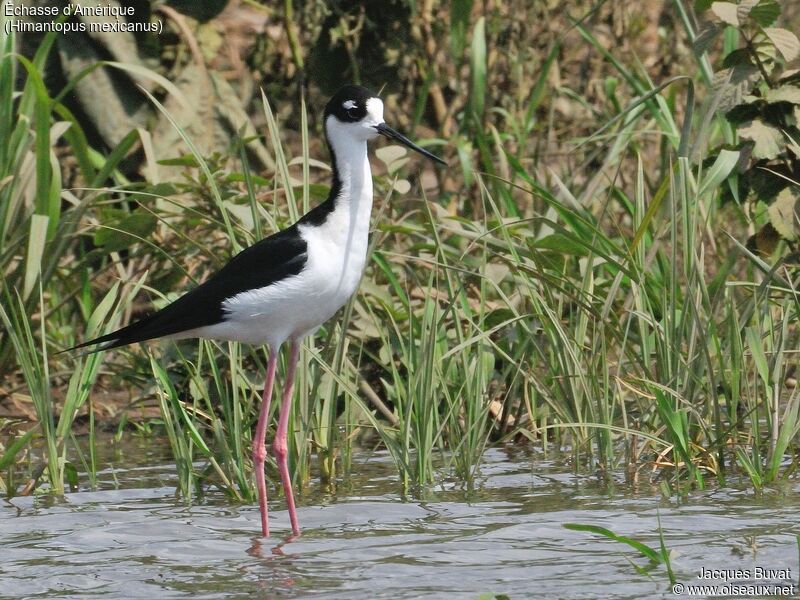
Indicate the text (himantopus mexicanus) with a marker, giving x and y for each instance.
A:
(286, 286)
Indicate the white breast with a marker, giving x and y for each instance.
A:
(296, 306)
(337, 251)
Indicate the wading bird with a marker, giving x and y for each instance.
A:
(286, 286)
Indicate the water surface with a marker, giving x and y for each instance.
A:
(140, 541)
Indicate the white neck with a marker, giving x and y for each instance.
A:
(337, 246)
(354, 202)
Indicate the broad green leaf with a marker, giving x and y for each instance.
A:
(765, 49)
(790, 424)
(120, 234)
(242, 178)
(7, 459)
(187, 160)
(765, 12)
(783, 213)
(392, 156)
(464, 152)
(478, 68)
(727, 12)
(460, 11)
(731, 85)
(560, 243)
(99, 314)
(719, 171)
(764, 241)
(768, 140)
(757, 352)
(37, 239)
(785, 41)
(542, 82)
(740, 56)
(752, 470)
(46, 202)
(401, 186)
(785, 93)
(71, 474)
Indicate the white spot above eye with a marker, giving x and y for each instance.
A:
(375, 110)
(348, 104)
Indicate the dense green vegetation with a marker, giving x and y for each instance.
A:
(606, 269)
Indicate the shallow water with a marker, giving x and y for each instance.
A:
(139, 540)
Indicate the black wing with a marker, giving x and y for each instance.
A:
(272, 259)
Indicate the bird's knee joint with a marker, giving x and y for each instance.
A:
(279, 449)
(259, 454)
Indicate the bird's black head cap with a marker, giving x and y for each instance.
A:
(349, 104)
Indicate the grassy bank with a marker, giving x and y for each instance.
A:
(606, 268)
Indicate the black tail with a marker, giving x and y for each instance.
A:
(149, 328)
(111, 337)
(140, 331)
(196, 309)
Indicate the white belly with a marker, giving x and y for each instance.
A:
(298, 305)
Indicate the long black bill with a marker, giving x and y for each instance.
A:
(390, 133)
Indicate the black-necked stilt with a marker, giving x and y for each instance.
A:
(287, 285)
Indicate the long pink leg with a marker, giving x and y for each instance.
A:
(280, 447)
(259, 447)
